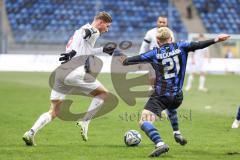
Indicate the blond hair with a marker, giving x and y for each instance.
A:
(164, 34)
(106, 17)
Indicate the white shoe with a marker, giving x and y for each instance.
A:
(28, 138)
(236, 123)
(203, 89)
(84, 129)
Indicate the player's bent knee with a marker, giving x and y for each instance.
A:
(100, 92)
(147, 116)
(56, 102)
(55, 107)
(54, 112)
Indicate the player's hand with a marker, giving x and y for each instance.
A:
(122, 59)
(109, 48)
(120, 55)
(65, 57)
(222, 37)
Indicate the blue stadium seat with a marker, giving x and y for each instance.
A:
(53, 21)
(219, 15)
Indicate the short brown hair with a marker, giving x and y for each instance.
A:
(106, 17)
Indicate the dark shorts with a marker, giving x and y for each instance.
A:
(157, 104)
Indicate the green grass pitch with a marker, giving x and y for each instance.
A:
(205, 120)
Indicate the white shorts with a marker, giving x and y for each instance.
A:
(75, 83)
(198, 67)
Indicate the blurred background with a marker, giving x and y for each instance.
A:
(39, 29)
(33, 34)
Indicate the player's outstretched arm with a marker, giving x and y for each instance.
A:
(221, 37)
(142, 58)
(105, 49)
(131, 60)
(203, 44)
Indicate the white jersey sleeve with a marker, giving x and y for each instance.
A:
(201, 54)
(146, 43)
(97, 50)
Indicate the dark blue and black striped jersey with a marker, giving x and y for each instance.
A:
(169, 62)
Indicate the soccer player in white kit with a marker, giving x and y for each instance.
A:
(198, 63)
(81, 43)
(150, 41)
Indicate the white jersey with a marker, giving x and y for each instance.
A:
(150, 41)
(200, 54)
(84, 46)
(200, 61)
(77, 78)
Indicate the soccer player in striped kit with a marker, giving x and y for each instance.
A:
(169, 62)
(150, 41)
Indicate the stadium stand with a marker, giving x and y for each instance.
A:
(53, 21)
(219, 15)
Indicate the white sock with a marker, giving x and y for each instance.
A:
(44, 119)
(93, 109)
(201, 82)
(176, 132)
(189, 82)
(159, 144)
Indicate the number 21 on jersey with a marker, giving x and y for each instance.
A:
(169, 65)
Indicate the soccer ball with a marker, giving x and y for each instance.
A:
(132, 138)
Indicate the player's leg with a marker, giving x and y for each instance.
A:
(146, 124)
(89, 85)
(173, 103)
(152, 109)
(99, 95)
(189, 81)
(173, 117)
(202, 80)
(57, 97)
(43, 120)
(236, 122)
(192, 71)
